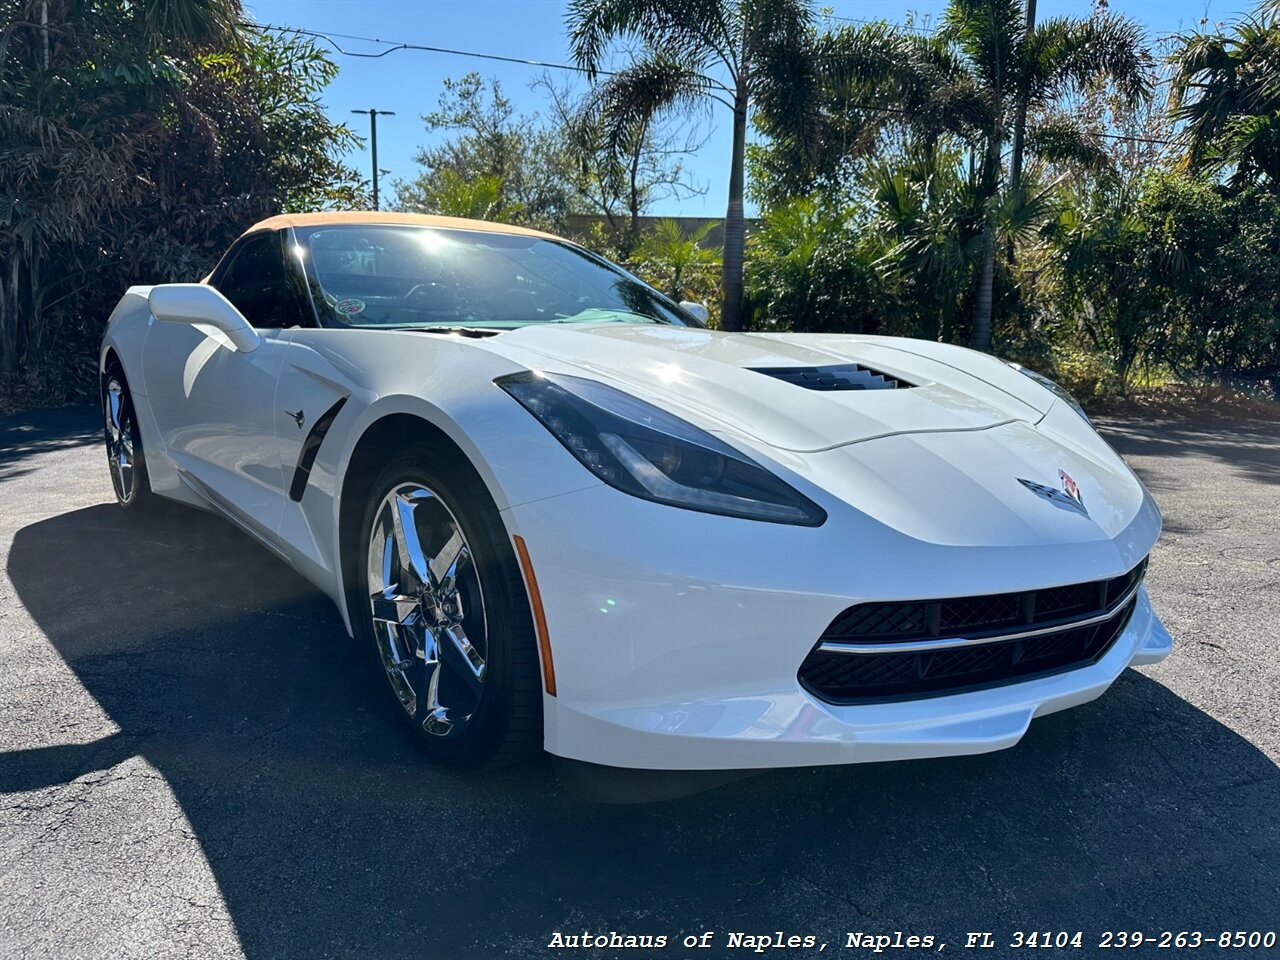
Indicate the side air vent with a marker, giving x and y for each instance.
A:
(845, 376)
(311, 447)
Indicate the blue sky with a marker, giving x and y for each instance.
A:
(409, 82)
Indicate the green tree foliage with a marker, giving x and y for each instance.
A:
(1111, 272)
(895, 250)
(929, 217)
(1165, 272)
(1104, 248)
(492, 163)
(681, 43)
(618, 170)
(1227, 91)
(136, 141)
(813, 269)
(485, 145)
(975, 79)
(1107, 257)
(480, 198)
(1177, 271)
(1216, 253)
(683, 267)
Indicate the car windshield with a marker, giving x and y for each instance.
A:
(408, 276)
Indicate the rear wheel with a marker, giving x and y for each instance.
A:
(440, 606)
(125, 458)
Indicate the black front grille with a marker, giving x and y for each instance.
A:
(853, 677)
(844, 376)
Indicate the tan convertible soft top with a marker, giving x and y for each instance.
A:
(368, 216)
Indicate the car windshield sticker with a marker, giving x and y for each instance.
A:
(349, 307)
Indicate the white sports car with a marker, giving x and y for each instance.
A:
(559, 512)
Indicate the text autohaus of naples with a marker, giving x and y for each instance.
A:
(739, 940)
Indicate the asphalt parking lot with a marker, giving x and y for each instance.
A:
(193, 763)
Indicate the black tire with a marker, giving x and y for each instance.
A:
(133, 494)
(506, 725)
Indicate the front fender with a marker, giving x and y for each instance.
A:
(446, 384)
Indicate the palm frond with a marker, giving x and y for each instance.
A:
(1062, 139)
(1022, 212)
(775, 24)
(647, 87)
(941, 92)
(199, 22)
(1226, 90)
(1068, 54)
(989, 32)
(679, 264)
(1252, 144)
(788, 86)
(817, 96)
(688, 31)
(861, 57)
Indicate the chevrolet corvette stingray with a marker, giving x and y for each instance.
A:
(558, 511)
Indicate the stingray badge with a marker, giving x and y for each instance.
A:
(1069, 496)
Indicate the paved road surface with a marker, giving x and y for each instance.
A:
(193, 763)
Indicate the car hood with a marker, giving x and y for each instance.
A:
(714, 377)
(972, 489)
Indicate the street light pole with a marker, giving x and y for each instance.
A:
(373, 143)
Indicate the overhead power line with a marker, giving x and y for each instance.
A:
(393, 45)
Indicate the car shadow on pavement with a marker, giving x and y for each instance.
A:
(328, 834)
(1250, 447)
(26, 435)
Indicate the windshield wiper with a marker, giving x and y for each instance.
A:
(460, 331)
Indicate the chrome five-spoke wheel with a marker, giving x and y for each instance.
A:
(427, 605)
(123, 448)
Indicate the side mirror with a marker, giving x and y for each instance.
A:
(202, 305)
(696, 310)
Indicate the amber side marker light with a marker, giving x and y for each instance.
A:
(539, 617)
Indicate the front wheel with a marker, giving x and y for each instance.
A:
(125, 459)
(441, 607)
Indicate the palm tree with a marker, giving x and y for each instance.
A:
(678, 264)
(933, 213)
(812, 267)
(1022, 71)
(986, 76)
(1227, 90)
(929, 211)
(682, 42)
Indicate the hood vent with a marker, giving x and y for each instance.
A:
(845, 376)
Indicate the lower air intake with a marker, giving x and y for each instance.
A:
(875, 652)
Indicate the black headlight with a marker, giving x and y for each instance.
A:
(649, 453)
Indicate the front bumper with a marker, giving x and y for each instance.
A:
(677, 636)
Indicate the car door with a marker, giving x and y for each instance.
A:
(215, 406)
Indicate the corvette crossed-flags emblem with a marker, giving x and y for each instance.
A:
(1069, 496)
